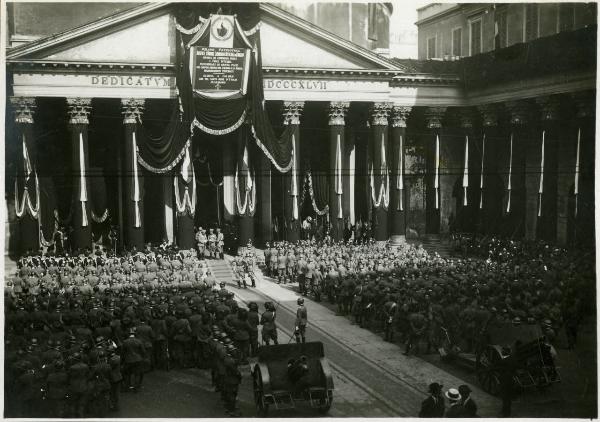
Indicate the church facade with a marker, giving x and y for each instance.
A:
(501, 142)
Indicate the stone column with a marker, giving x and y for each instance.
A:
(292, 110)
(133, 201)
(337, 113)
(245, 188)
(27, 186)
(469, 197)
(581, 226)
(380, 178)
(519, 112)
(433, 117)
(398, 204)
(550, 138)
(264, 187)
(81, 222)
(489, 202)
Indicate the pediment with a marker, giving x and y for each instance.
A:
(146, 34)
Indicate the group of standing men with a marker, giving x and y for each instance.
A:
(211, 244)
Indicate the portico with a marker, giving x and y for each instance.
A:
(374, 141)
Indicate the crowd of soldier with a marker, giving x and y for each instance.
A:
(442, 302)
(73, 344)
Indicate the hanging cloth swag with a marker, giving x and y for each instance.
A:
(185, 180)
(339, 186)
(541, 188)
(436, 178)
(400, 180)
(509, 188)
(384, 186)
(465, 181)
(576, 185)
(215, 104)
(481, 176)
(30, 186)
(295, 180)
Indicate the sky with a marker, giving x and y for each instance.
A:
(403, 31)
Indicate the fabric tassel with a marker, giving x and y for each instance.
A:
(576, 187)
(400, 180)
(136, 184)
(436, 180)
(82, 185)
(481, 177)
(465, 182)
(510, 174)
(541, 188)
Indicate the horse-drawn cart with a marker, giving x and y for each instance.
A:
(287, 374)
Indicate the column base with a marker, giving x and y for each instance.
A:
(397, 239)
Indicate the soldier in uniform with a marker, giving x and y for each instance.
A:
(212, 244)
(220, 243)
(390, 309)
(133, 354)
(56, 387)
(231, 382)
(253, 321)
(269, 328)
(301, 321)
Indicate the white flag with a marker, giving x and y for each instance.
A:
(465, 182)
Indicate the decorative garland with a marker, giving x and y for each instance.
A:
(384, 191)
(188, 206)
(170, 166)
(220, 131)
(268, 154)
(20, 206)
(254, 30)
(249, 203)
(188, 31)
(100, 219)
(325, 210)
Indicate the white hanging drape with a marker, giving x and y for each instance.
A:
(541, 188)
(400, 176)
(465, 181)
(481, 176)
(436, 180)
(339, 187)
(576, 186)
(136, 182)
(509, 187)
(82, 185)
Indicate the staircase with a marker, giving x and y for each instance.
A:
(221, 269)
(434, 243)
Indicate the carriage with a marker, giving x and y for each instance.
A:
(533, 360)
(278, 384)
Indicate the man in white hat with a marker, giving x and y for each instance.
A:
(456, 409)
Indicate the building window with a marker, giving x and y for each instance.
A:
(566, 17)
(532, 22)
(457, 42)
(500, 28)
(476, 40)
(372, 24)
(431, 47)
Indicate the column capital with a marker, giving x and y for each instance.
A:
(399, 115)
(292, 110)
(79, 110)
(132, 109)
(489, 114)
(549, 107)
(467, 117)
(337, 112)
(23, 108)
(434, 116)
(379, 113)
(584, 104)
(519, 112)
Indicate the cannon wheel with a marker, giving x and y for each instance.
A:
(262, 408)
(487, 375)
(325, 407)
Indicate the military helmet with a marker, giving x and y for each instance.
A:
(300, 301)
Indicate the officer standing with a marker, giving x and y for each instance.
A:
(301, 321)
(267, 320)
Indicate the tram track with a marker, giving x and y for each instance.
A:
(390, 392)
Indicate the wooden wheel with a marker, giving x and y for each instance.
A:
(262, 409)
(324, 408)
(487, 374)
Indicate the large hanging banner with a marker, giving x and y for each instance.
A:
(220, 87)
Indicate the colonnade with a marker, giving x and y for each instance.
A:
(521, 162)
